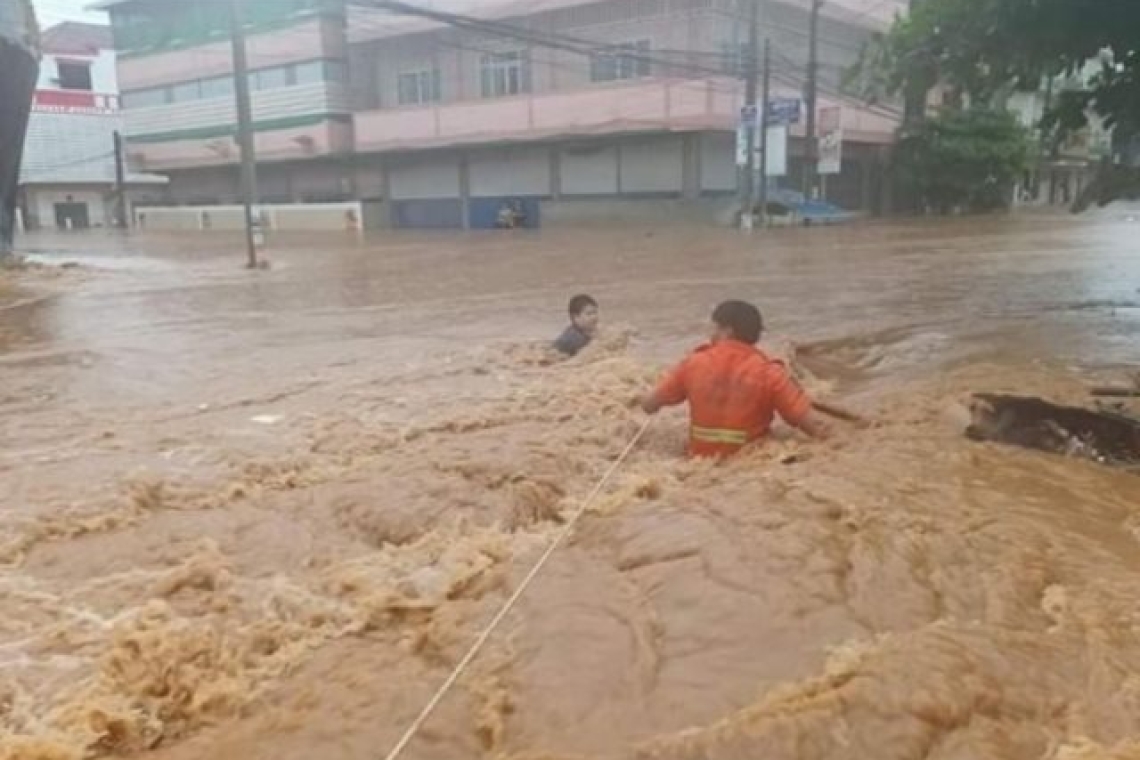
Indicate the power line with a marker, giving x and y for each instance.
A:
(546, 39)
(68, 164)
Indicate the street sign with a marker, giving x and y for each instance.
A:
(750, 116)
(781, 112)
(784, 111)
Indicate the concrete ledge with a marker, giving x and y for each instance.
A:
(656, 211)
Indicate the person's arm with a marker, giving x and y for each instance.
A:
(794, 406)
(669, 392)
(813, 425)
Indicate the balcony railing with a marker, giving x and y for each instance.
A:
(645, 106)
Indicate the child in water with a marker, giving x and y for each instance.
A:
(583, 326)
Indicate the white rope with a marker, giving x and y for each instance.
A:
(429, 708)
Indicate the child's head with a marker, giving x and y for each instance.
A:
(737, 320)
(584, 313)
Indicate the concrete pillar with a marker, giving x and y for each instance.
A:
(617, 157)
(691, 166)
(465, 190)
(556, 172)
(386, 192)
(867, 202)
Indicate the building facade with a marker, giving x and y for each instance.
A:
(1066, 168)
(563, 107)
(68, 179)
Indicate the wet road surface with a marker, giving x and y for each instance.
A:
(260, 514)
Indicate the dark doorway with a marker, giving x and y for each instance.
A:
(72, 216)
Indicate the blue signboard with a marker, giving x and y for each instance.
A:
(784, 111)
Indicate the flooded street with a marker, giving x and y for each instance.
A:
(261, 515)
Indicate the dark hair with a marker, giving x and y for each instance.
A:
(580, 303)
(742, 318)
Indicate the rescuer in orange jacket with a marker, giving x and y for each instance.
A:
(734, 390)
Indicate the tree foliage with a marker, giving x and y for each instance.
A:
(985, 49)
(968, 160)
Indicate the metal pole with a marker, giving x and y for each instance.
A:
(914, 96)
(120, 184)
(245, 134)
(751, 84)
(811, 91)
(767, 95)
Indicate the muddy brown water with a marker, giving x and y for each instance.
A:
(260, 515)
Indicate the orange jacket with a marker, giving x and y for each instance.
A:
(734, 391)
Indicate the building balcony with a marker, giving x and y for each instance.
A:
(643, 106)
(291, 123)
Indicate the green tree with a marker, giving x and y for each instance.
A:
(986, 48)
(968, 160)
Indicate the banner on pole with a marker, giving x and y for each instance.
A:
(830, 141)
(776, 162)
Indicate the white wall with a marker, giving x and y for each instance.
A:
(63, 147)
(104, 75)
(332, 217)
(42, 203)
(589, 170)
(425, 178)
(652, 165)
(510, 171)
(718, 161)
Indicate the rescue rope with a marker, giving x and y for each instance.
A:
(429, 708)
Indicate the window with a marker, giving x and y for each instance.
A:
(187, 91)
(415, 87)
(146, 98)
(75, 76)
(626, 61)
(737, 59)
(223, 87)
(272, 79)
(312, 72)
(309, 73)
(218, 87)
(505, 74)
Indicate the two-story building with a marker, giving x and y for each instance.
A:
(1064, 169)
(567, 108)
(176, 75)
(68, 177)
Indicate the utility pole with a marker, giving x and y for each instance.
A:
(811, 91)
(767, 97)
(120, 184)
(914, 96)
(751, 84)
(245, 135)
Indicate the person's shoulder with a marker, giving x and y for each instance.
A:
(768, 367)
(699, 354)
(571, 341)
(761, 358)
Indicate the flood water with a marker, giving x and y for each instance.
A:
(260, 515)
